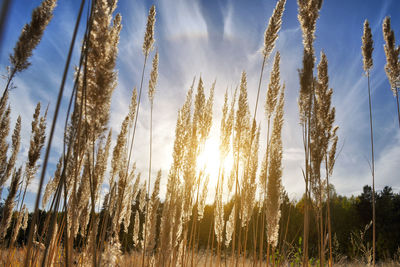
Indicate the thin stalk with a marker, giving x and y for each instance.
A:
(208, 241)
(398, 108)
(148, 189)
(305, 226)
(372, 170)
(211, 234)
(218, 254)
(136, 114)
(245, 243)
(92, 209)
(237, 190)
(239, 250)
(129, 156)
(321, 226)
(255, 234)
(265, 192)
(329, 214)
(282, 249)
(259, 87)
(6, 89)
(307, 151)
(46, 158)
(194, 225)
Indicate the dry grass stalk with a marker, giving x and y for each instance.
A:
(4, 131)
(28, 40)
(9, 204)
(274, 183)
(15, 145)
(367, 49)
(241, 144)
(151, 93)
(147, 47)
(52, 130)
(199, 131)
(171, 216)
(270, 37)
(329, 164)
(322, 120)
(38, 137)
(274, 25)
(249, 187)
(149, 35)
(392, 67)
(51, 185)
(227, 122)
(270, 107)
(152, 213)
(308, 13)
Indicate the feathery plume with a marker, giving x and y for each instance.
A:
(101, 166)
(52, 184)
(142, 198)
(4, 130)
(332, 151)
(149, 35)
(274, 25)
(208, 114)
(225, 131)
(274, 186)
(229, 227)
(17, 226)
(152, 213)
(119, 150)
(31, 35)
(15, 144)
(99, 67)
(249, 183)
(308, 15)
(202, 199)
(392, 66)
(136, 228)
(273, 88)
(38, 137)
(367, 47)
(219, 212)
(127, 208)
(153, 78)
(132, 107)
(172, 204)
(25, 219)
(9, 204)
(242, 120)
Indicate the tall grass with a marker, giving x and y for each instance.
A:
(82, 227)
(392, 67)
(367, 48)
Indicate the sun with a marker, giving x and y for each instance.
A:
(209, 160)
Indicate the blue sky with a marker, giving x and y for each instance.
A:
(218, 40)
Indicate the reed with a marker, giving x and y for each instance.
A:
(30, 37)
(367, 49)
(392, 67)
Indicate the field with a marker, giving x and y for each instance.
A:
(183, 171)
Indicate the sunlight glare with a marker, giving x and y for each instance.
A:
(209, 160)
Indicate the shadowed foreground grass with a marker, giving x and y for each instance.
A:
(15, 257)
